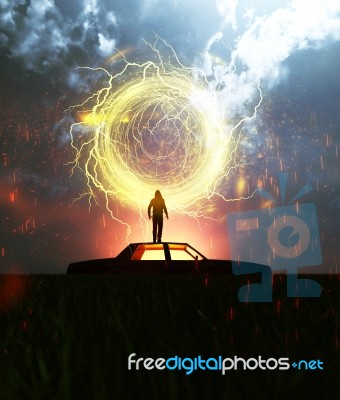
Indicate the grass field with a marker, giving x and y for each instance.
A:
(67, 337)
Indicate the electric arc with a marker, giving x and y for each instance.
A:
(154, 125)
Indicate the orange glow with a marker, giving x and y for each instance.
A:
(241, 185)
(89, 118)
(154, 255)
(155, 252)
(260, 183)
(12, 289)
(175, 246)
(156, 246)
(266, 204)
(117, 56)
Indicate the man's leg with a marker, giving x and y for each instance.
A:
(160, 229)
(154, 229)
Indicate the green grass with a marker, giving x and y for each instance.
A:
(66, 337)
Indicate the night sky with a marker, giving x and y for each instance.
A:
(287, 54)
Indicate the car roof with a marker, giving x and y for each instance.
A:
(133, 246)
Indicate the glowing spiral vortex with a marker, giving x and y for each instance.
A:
(155, 127)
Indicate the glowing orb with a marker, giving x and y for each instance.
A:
(156, 125)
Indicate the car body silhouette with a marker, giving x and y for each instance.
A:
(169, 257)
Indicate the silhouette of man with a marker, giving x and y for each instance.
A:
(158, 205)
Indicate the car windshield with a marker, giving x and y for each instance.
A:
(178, 251)
(149, 252)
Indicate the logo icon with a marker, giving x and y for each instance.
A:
(284, 237)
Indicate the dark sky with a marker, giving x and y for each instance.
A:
(289, 50)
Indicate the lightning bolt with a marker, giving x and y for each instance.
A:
(155, 125)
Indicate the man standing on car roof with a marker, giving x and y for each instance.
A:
(158, 205)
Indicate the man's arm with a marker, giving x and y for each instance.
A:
(149, 209)
(166, 211)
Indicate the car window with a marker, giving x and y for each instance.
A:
(149, 252)
(155, 251)
(183, 252)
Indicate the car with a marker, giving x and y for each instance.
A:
(168, 257)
